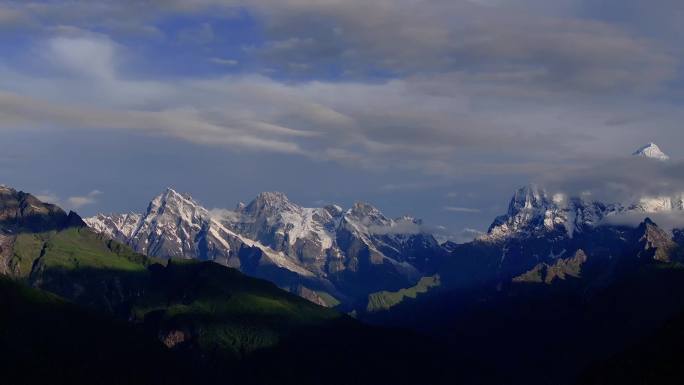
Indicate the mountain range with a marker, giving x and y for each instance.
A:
(79, 307)
(556, 291)
(340, 257)
(328, 255)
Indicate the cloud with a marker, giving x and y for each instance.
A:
(201, 34)
(398, 227)
(320, 120)
(462, 209)
(220, 214)
(48, 197)
(410, 38)
(529, 42)
(618, 180)
(666, 221)
(463, 89)
(225, 62)
(77, 202)
(442, 234)
(70, 203)
(90, 55)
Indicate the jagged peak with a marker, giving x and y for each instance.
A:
(269, 201)
(651, 151)
(272, 197)
(363, 208)
(172, 193)
(530, 189)
(171, 197)
(526, 197)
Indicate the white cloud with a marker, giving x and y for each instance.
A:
(666, 221)
(469, 91)
(72, 202)
(462, 209)
(48, 197)
(90, 55)
(76, 202)
(442, 234)
(223, 61)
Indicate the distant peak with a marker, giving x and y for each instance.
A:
(173, 197)
(270, 200)
(363, 209)
(363, 206)
(272, 197)
(652, 151)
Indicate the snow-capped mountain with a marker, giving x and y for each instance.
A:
(303, 249)
(176, 226)
(534, 212)
(652, 151)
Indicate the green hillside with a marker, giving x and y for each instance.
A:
(205, 305)
(218, 309)
(71, 249)
(385, 300)
(219, 322)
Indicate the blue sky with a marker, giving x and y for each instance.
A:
(438, 109)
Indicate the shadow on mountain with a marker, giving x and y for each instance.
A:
(656, 359)
(224, 325)
(47, 340)
(541, 333)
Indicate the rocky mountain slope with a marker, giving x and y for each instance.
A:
(316, 252)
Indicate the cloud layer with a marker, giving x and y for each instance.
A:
(461, 91)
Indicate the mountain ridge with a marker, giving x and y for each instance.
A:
(303, 249)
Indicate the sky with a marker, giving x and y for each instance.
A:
(436, 109)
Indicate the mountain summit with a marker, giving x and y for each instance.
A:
(652, 151)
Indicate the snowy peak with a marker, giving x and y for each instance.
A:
(367, 214)
(268, 202)
(171, 206)
(652, 151)
(528, 197)
(171, 197)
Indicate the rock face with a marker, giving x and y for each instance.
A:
(346, 253)
(654, 243)
(20, 211)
